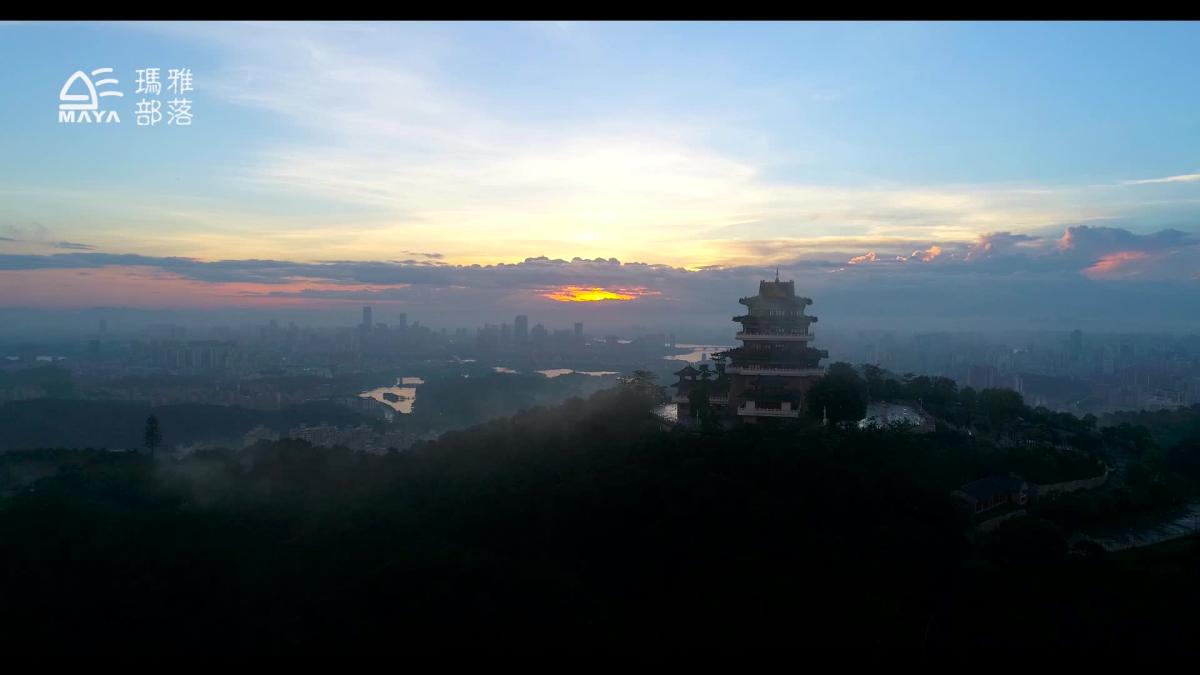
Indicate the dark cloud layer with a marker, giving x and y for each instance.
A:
(1001, 278)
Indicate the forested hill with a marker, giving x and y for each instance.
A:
(442, 403)
(582, 524)
(68, 423)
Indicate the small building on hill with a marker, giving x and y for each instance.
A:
(990, 493)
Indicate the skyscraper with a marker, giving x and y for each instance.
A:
(521, 329)
(367, 322)
(1075, 344)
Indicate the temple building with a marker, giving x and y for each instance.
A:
(769, 376)
(701, 387)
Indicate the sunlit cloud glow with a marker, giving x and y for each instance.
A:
(1116, 265)
(583, 294)
(511, 168)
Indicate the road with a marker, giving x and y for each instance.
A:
(1181, 526)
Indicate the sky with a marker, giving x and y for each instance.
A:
(927, 173)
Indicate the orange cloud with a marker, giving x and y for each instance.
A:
(927, 256)
(145, 286)
(595, 294)
(1116, 264)
(873, 257)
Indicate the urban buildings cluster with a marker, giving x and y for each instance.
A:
(1071, 371)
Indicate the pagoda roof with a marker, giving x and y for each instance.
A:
(777, 288)
(776, 300)
(687, 370)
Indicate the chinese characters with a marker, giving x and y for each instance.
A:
(179, 108)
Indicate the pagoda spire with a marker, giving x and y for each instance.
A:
(776, 274)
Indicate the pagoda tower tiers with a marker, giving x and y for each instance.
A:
(771, 373)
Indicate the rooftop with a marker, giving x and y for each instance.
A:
(985, 488)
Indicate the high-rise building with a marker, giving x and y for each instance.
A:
(982, 376)
(578, 329)
(367, 321)
(487, 339)
(403, 324)
(521, 329)
(1075, 344)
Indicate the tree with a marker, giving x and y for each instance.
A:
(718, 359)
(1185, 459)
(642, 382)
(698, 403)
(841, 393)
(152, 438)
(1001, 407)
(875, 379)
(969, 401)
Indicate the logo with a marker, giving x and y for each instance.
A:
(80, 101)
(84, 107)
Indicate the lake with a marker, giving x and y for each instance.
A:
(405, 390)
(555, 372)
(698, 353)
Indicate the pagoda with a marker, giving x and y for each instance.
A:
(771, 373)
(711, 385)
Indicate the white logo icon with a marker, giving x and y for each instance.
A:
(88, 103)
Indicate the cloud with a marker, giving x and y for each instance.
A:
(1089, 240)
(1092, 251)
(447, 161)
(1182, 178)
(1095, 251)
(1047, 282)
(929, 255)
(35, 238)
(1117, 265)
(998, 243)
(596, 294)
